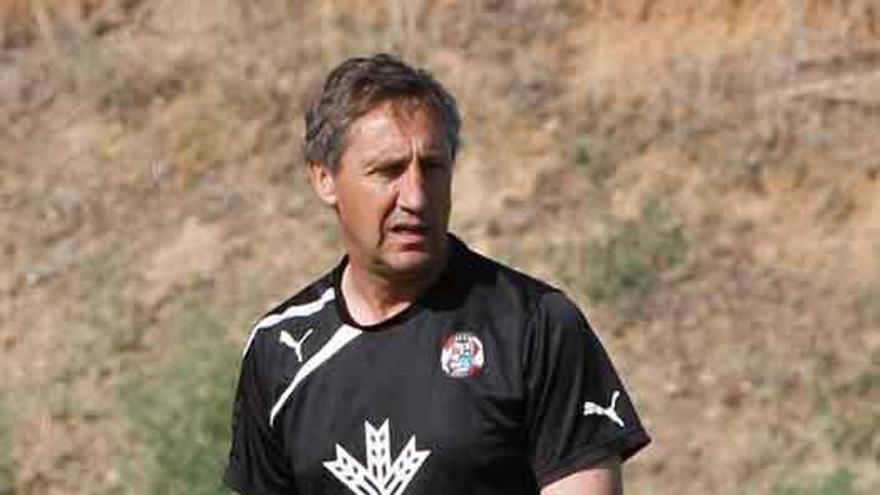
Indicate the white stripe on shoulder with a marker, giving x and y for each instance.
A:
(295, 311)
(343, 336)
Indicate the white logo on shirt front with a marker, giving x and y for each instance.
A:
(294, 344)
(609, 412)
(381, 475)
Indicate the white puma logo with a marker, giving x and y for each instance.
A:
(609, 412)
(294, 344)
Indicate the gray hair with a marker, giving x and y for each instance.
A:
(355, 87)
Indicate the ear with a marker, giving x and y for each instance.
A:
(323, 182)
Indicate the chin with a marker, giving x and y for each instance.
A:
(410, 264)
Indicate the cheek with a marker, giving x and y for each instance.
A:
(376, 206)
(443, 193)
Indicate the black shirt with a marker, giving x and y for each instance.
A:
(492, 382)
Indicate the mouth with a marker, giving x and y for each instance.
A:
(410, 232)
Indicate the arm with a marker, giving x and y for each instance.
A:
(257, 460)
(602, 479)
(581, 423)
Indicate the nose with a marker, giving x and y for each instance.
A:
(413, 192)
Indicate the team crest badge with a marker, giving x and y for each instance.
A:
(462, 355)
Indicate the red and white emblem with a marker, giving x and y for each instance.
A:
(462, 355)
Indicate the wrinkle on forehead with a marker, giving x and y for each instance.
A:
(405, 114)
(407, 111)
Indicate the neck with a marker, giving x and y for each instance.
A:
(373, 298)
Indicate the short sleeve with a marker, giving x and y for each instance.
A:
(257, 463)
(578, 412)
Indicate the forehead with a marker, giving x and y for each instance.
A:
(393, 122)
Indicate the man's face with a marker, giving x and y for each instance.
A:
(391, 190)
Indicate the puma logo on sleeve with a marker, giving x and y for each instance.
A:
(294, 344)
(609, 412)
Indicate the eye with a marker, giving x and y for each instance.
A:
(434, 163)
(389, 169)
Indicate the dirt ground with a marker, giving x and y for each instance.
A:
(149, 157)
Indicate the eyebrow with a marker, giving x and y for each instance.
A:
(381, 159)
(432, 153)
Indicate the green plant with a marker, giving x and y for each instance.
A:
(626, 266)
(5, 446)
(868, 304)
(591, 154)
(180, 409)
(841, 481)
(836, 205)
(199, 144)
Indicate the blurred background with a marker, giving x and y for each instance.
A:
(700, 175)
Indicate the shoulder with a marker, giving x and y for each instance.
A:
(311, 298)
(510, 288)
(294, 312)
(545, 310)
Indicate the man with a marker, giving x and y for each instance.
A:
(418, 366)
